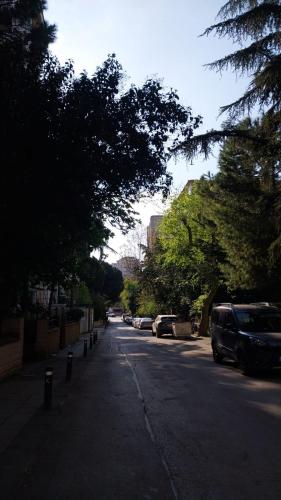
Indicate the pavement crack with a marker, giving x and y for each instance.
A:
(149, 428)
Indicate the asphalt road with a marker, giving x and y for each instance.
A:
(152, 419)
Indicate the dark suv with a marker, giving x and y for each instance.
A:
(249, 334)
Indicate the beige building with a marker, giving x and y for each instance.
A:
(152, 230)
(128, 266)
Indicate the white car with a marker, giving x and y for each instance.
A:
(135, 322)
(145, 323)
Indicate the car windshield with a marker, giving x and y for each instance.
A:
(259, 321)
(168, 319)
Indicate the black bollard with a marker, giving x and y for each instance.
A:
(85, 347)
(48, 396)
(91, 340)
(69, 366)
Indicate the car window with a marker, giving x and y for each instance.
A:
(221, 316)
(228, 319)
(259, 321)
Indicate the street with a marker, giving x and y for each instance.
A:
(152, 419)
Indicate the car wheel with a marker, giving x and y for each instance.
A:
(218, 357)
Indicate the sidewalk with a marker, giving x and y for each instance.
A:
(22, 394)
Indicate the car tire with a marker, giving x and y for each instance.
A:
(217, 356)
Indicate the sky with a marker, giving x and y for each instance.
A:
(152, 38)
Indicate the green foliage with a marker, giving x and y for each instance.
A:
(101, 278)
(130, 295)
(99, 308)
(185, 261)
(241, 202)
(82, 156)
(187, 239)
(255, 25)
(197, 305)
(82, 295)
(147, 307)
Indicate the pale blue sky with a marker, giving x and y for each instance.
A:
(152, 37)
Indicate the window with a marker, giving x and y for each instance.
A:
(228, 319)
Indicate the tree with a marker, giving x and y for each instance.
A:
(164, 284)
(130, 295)
(78, 159)
(240, 200)
(188, 241)
(255, 25)
(101, 279)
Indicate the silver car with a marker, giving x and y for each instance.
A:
(145, 323)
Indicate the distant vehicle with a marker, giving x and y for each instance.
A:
(247, 333)
(110, 314)
(124, 316)
(135, 322)
(163, 324)
(117, 311)
(145, 323)
(128, 320)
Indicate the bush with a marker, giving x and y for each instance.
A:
(148, 308)
(99, 308)
(197, 305)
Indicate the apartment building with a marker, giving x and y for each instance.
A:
(152, 230)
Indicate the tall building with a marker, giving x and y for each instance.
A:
(128, 266)
(152, 230)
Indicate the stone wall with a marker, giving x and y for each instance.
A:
(47, 339)
(72, 332)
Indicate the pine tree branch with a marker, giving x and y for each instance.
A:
(234, 7)
(203, 144)
(251, 58)
(251, 24)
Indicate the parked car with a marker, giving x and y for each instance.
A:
(163, 324)
(248, 333)
(128, 320)
(145, 323)
(135, 322)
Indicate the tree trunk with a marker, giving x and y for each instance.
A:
(204, 323)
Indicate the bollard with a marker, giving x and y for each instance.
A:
(48, 388)
(69, 366)
(85, 347)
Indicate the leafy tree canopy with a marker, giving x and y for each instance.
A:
(76, 160)
(130, 295)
